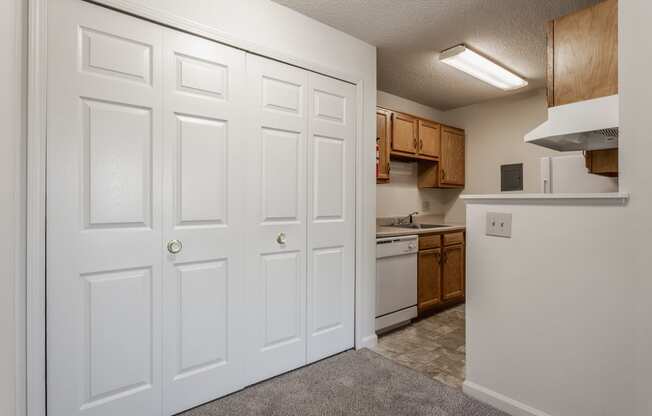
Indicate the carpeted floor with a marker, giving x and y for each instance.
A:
(360, 383)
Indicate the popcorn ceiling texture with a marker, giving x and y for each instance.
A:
(410, 33)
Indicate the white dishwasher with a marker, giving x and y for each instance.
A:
(396, 281)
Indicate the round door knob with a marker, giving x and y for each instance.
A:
(174, 246)
(281, 238)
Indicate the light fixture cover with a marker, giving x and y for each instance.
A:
(479, 67)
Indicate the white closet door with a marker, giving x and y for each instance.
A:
(104, 249)
(276, 217)
(204, 131)
(331, 216)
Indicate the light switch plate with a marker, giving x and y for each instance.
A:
(425, 205)
(499, 224)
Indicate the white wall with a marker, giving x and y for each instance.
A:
(636, 177)
(494, 136)
(394, 102)
(548, 310)
(559, 316)
(401, 195)
(12, 14)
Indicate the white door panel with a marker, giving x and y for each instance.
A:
(155, 136)
(276, 211)
(204, 128)
(103, 230)
(331, 222)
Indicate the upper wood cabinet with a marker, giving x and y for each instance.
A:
(383, 137)
(404, 133)
(583, 54)
(429, 139)
(439, 149)
(451, 165)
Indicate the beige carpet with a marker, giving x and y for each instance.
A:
(352, 383)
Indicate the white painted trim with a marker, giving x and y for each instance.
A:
(368, 342)
(36, 186)
(611, 196)
(499, 401)
(35, 257)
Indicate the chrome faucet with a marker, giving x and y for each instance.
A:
(409, 217)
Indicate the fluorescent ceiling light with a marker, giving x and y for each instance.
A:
(478, 66)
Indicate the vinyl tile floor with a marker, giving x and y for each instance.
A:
(434, 346)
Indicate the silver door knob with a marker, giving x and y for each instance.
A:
(281, 238)
(174, 246)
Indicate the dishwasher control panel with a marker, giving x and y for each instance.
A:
(396, 246)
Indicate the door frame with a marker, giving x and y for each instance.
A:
(34, 301)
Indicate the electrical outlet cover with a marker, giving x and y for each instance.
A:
(499, 224)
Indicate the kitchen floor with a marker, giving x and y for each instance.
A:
(434, 346)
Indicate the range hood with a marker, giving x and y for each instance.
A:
(585, 125)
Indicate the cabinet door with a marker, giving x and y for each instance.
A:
(404, 133)
(382, 139)
(452, 157)
(585, 54)
(429, 139)
(429, 287)
(453, 272)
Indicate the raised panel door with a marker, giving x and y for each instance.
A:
(204, 117)
(451, 165)
(404, 133)
(104, 234)
(383, 132)
(453, 272)
(429, 139)
(331, 216)
(275, 214)
(429, 279)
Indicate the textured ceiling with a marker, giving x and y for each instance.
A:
(410, 33)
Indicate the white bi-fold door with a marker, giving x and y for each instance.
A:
(200, 203)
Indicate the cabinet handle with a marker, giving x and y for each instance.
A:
(443, 174)
(438, 257)
(420, 144)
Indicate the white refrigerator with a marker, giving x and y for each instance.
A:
(568, 174)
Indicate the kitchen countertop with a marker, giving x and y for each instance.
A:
(389, 231)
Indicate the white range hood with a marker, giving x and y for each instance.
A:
(585, 125)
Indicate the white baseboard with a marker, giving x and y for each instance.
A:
(499, 401)
(368, 342)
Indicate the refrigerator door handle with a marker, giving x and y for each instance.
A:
(546, 186)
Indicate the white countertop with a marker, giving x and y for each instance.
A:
(613, 196)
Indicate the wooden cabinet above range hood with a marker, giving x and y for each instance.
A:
(582, 84)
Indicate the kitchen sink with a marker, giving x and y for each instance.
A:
(418, 226)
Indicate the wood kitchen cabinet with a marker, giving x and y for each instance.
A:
(583, 54)
(438, 149)
(383, 132)
(429, 279)
(451, 171)
(404, 134)
(429, 139)
(453, 272)
(441, 269)
(583, 65)
(602, 162)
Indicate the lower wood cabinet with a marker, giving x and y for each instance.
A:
(453, 272)
(441, 270)
(429, 282)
